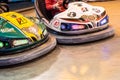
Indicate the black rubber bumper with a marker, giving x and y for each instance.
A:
(83, 38)
(28, 55)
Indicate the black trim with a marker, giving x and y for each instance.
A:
(67, 34)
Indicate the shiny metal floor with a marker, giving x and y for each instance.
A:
(91, 61)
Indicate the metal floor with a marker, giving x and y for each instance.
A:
(98, 60)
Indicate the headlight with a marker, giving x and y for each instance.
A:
(4, 44)
(20, 42)
(1, 44)
(104, 21)
(72, 27)
(78, 27)
(65, 27)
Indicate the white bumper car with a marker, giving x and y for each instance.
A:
(79, 23)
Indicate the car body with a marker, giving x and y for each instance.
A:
(79, 23)
(80, 17)
(17, 33)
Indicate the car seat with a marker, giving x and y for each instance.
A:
(41, 10)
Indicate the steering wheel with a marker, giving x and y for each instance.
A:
(65, 3)
(4, 7)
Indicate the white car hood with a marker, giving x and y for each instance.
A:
(79, 10)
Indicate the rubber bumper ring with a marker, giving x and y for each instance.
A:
(28, 55)
(102, 34)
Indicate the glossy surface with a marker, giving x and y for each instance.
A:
(98, 60)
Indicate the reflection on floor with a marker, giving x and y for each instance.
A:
(92, 61)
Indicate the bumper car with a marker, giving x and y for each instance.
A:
(79, 23)
(22, 39)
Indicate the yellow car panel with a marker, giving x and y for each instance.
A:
(19, 20)
(27, 26)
